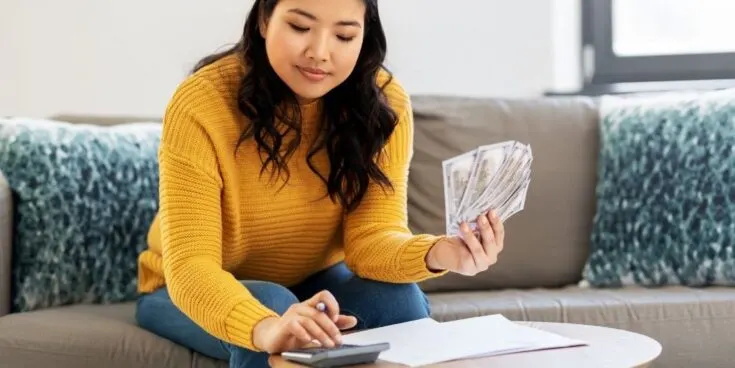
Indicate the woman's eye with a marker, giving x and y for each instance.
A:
(298, 29)
(345, 39)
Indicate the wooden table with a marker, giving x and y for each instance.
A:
(607, 347)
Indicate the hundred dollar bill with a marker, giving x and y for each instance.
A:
(456, 172)
(491, 177)
(488, 161)
(515, 168)
(517, 204)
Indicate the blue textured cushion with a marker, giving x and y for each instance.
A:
(84, 198)
(666, 192)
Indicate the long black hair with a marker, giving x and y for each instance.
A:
(356, 115)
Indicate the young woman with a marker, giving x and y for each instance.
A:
(283, 172)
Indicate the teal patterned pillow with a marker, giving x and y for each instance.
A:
(84, 198)
(666, 192)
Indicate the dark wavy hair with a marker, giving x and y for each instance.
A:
(357, 118)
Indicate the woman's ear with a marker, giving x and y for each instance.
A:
(263, 27)
(262, 21)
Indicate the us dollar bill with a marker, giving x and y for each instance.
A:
(456, 172)
(490, 177)
(489, 159)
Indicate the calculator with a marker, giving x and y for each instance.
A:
(338, 356)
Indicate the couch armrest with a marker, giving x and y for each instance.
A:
(6, 251)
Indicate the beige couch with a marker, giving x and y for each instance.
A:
(536, 278)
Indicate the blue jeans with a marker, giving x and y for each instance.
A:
(373, 303)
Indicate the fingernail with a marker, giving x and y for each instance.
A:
(483, 220)
(330, 343)
(494, 214)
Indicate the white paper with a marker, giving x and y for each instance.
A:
(530, 338)
(426, 341)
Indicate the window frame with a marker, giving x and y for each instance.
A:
(603, 67)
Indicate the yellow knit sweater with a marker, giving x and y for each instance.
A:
(220, 221)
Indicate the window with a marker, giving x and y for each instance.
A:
(657, 40)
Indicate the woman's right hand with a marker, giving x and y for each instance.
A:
(303, 323)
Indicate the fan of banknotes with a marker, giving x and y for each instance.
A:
(490, 177)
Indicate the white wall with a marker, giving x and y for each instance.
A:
(126, 57)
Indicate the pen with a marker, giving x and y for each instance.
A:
(321, 307)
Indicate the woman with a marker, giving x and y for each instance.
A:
(284, 164)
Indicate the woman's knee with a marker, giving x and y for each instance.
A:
(148, 309)
(274, 296)
(394, 303)
(414, 304)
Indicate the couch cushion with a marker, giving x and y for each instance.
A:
(665, 191)
(84, 199)
(546, 243)
(696, 327)
(89, 336)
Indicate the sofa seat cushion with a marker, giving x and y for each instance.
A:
(89, 336)
(696, 327)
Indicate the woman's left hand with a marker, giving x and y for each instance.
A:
(467, 254)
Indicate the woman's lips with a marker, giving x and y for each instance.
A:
(312, 74)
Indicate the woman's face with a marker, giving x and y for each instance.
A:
(313, 45)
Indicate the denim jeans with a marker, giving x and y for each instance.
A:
(373, 303)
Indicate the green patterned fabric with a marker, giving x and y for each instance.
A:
(666, 191)
(84, 198)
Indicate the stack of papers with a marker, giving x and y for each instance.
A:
(427, 341)
(491, 177)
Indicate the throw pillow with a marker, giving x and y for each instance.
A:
(84, 198)
(666, 191)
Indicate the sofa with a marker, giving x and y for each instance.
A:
(538, 276)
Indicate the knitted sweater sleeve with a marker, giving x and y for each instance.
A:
(191, 223)
(378, 242)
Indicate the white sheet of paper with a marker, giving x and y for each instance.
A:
(408, 341)
(427, 341)
(529, 337)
